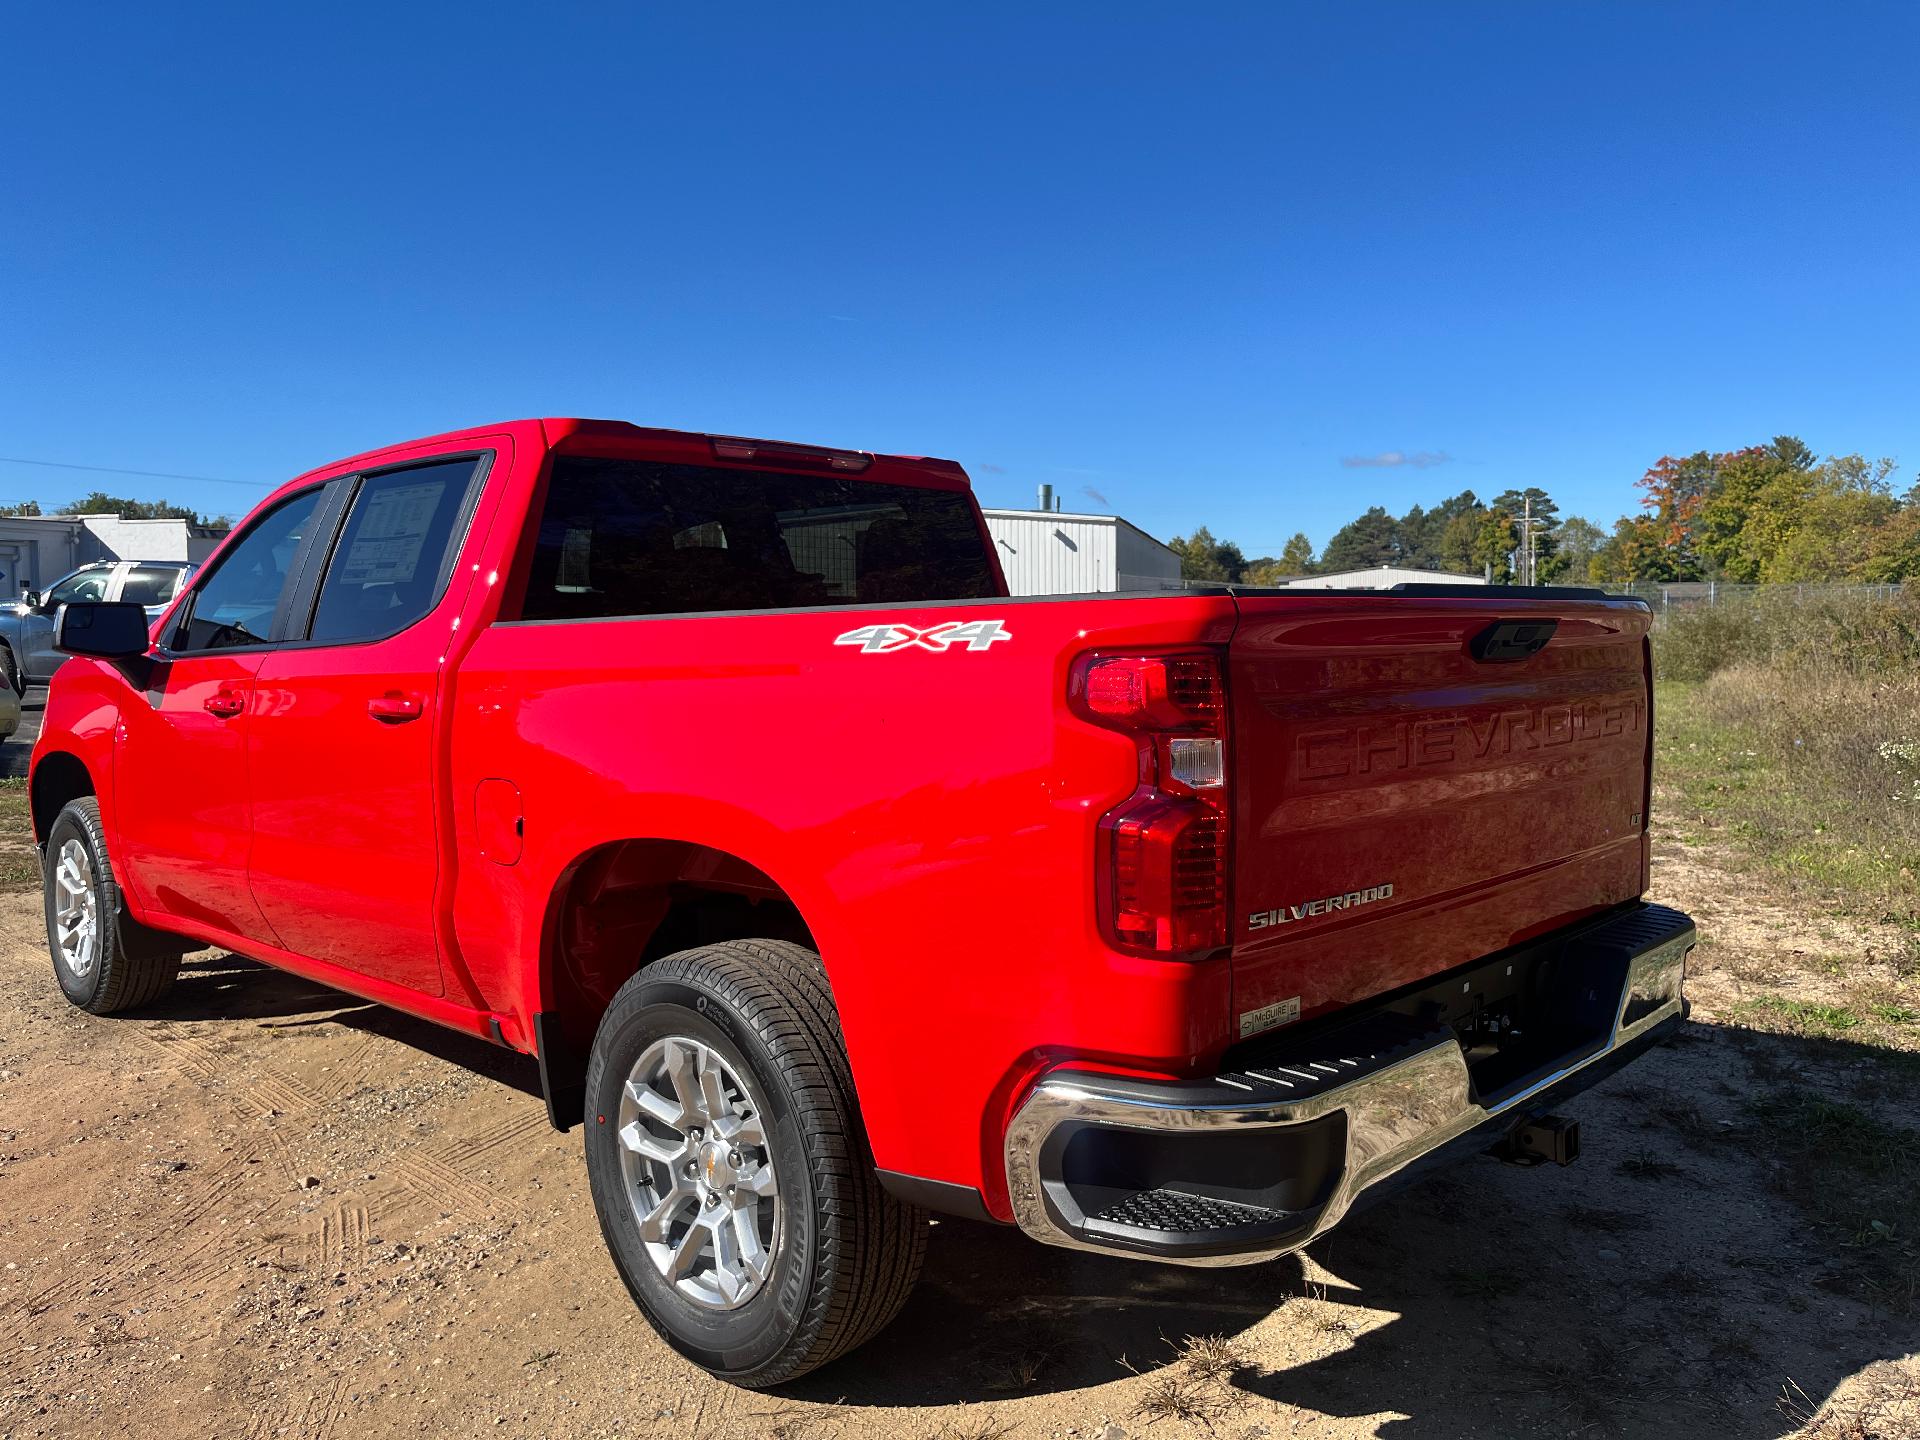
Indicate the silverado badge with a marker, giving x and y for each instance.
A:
(1287, 914)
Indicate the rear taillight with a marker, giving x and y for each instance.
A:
(1162, 861)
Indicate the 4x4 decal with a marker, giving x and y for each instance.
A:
(966, 635)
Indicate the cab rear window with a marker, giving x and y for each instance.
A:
(633, 537)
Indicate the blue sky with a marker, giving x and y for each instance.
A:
(1193, 260)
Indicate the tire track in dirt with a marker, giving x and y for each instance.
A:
(441, 1184)
(133, 1258)
(300, 1417)
(514, 1127)
(436, 1175)
(338, 1234)
(267, 1090)
(352, 1071)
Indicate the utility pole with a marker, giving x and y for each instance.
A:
(1526, 540)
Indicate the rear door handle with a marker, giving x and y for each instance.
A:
(225, 704)
(395, 708)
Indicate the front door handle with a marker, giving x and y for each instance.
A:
(395, 708)
(225, 704)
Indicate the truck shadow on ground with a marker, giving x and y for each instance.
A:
(1671, 1280)
(218, 986)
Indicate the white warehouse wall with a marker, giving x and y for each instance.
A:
(1053, 553)
(1380, 578)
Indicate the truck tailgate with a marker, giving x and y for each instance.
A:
(1419, 782)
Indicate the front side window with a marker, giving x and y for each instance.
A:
(235, 604)
(638, 537)
(81, 586)
(392, 559)
(150, 584)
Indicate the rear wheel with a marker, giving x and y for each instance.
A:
(104, 960)
(729, 1169)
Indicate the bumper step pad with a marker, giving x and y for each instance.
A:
(1178, 1213)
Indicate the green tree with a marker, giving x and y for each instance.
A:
(1675, 490)
(24, 507)
(1546, 524)
(1296, 557)
(101, 503)
(1579, 543)
(1204, 558)
(1362, 544)
(1495, 538)
(1894, 554)
(1458, 541)
(1417, 537)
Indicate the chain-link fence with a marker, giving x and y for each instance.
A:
(1665, 595)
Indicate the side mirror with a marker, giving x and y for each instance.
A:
(30, 599)
(108, 631)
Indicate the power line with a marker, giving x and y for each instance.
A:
(144, 474)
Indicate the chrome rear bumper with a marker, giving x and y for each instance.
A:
(1298, 1138)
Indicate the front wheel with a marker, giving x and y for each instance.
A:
(104, 960)
(729, 1168)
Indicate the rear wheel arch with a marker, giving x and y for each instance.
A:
(620, 907)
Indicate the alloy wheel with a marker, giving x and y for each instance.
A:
(699, 1173)
(76, 909)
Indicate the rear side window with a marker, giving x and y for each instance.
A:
(235, 604)
(150, 584)
(391, 564)
(635, 537)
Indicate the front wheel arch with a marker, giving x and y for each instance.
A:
(59, 779)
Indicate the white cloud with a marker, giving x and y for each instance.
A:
(1389, 459)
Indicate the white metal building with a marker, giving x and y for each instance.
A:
(1383, 577)
(1045, 552)
(36, 550)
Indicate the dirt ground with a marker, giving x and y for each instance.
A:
(266, 1209)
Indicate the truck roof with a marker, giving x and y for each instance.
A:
(555, 432)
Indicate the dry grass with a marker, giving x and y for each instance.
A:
(1813, 774)
(1787, 628)
(1889, 1409)
(1852, 1174)
(1013, 1368)
(1178, 1395)
(1646, 1165)
(1198, 1386)
(974, 1427)
(1213, 1357)
(19, 868)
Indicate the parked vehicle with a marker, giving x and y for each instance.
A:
(27, 656)
(9, 711)
(830, 886)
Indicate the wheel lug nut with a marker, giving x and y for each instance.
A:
(733, 1157)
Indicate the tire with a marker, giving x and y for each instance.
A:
(10, 671)
(126, 964)
(844, 1254)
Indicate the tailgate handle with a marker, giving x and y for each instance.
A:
(1512, 640)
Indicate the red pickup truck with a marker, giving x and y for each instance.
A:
(829, 885)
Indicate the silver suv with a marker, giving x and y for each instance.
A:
(27, 656)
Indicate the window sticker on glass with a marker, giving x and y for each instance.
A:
(392, 533)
